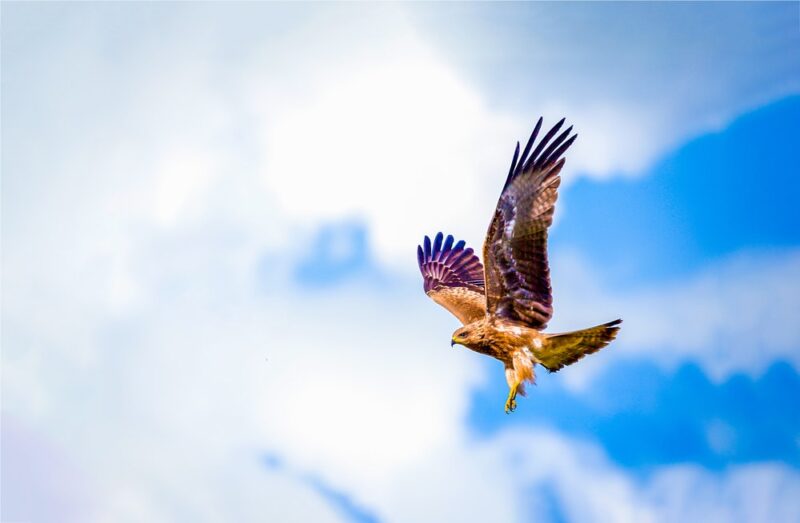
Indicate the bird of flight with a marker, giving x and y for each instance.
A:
(505, 306)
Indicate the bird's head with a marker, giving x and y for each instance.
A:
(468, 336)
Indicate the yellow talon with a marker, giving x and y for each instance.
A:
(511, 402)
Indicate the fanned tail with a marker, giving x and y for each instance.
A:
(564, 349)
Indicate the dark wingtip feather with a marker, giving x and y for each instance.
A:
(528, 146)
(556, 155)
(447, 264)
(447, 248)
(534, 160)
(513, 168)
(557, 166)
(437, 245)
(448, 242)
(546, 154)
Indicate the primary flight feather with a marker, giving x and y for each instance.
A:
(505, 306)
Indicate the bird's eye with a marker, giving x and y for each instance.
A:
(462, 335)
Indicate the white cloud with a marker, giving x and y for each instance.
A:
(369, 112)
(136, 332)
(589, 488)
(400, 141)
(136, 481)
(171, 420)
(636, 79)
(737, 315)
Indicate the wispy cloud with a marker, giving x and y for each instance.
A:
(637, 79)
(736, 315)
(165, 167)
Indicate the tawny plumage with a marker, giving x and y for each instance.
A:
(506, 305)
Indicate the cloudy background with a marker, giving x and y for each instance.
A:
(211, 309)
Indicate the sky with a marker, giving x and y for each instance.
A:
(211, 309)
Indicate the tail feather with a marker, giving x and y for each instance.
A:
(560, 350)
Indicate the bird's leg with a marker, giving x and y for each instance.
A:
(511, 402)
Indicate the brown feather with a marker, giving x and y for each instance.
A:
(452, 276)
(466, 304)
(504, 313)
(517, 274)
(560, 350)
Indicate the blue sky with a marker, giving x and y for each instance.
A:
(714, 196)
(211, 306)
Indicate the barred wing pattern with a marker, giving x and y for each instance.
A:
(565, 349)
(515, 252)
(453, 277)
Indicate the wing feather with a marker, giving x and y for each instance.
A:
(453, 277)
(517, 274)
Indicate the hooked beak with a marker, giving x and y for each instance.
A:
(453, 342)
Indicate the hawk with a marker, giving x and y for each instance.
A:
(505, 306)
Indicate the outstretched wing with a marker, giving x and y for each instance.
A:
(453, 277)
(515, 251)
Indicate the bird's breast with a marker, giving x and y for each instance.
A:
(509, 339)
